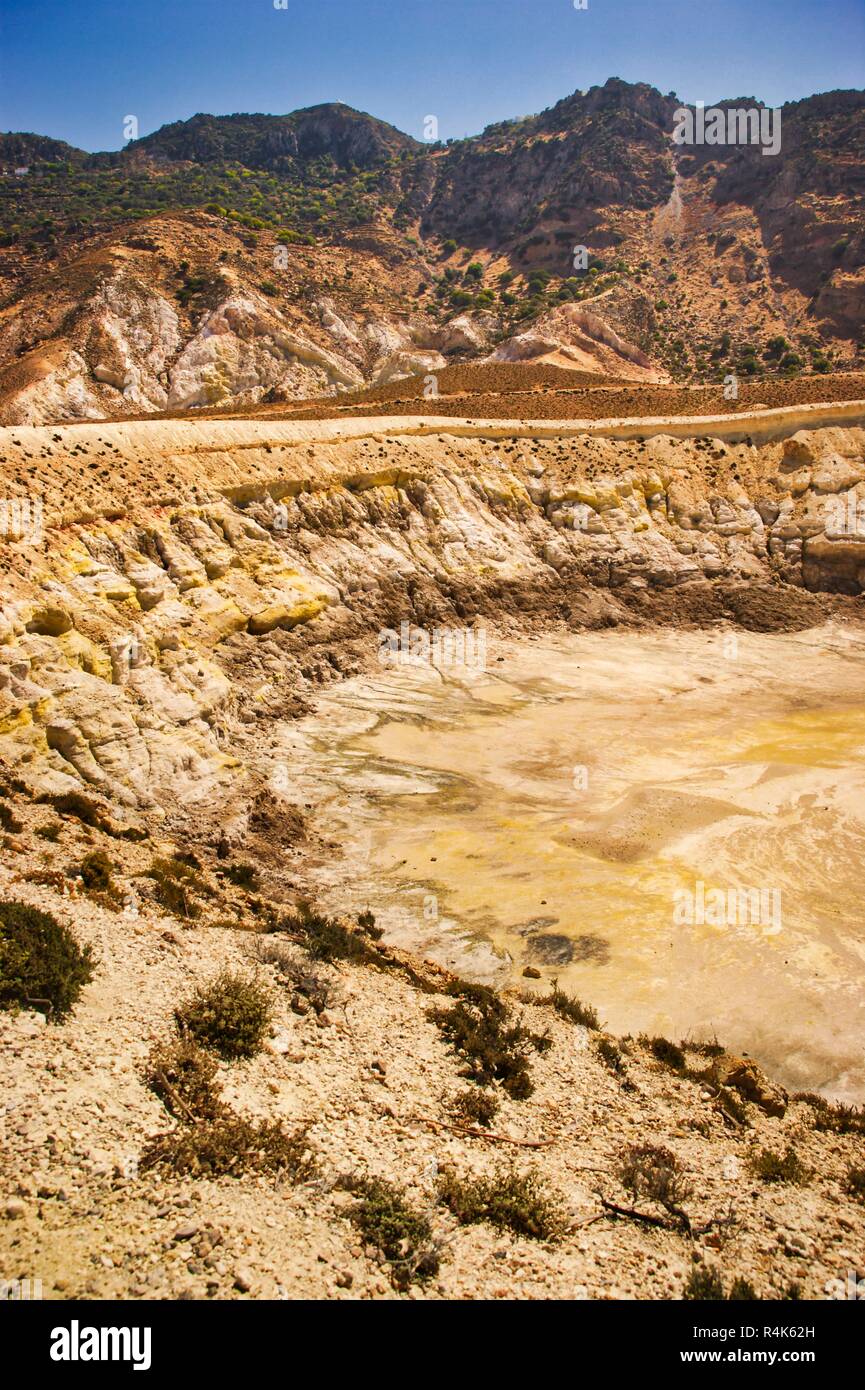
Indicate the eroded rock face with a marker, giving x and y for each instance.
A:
(743, 1075)
(191, 577)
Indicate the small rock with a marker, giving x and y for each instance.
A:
(530, 973)
(186, 1232)
(15, 1208)
(344, 1279)
(242, 1279)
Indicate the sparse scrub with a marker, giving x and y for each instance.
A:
(669, 1053)
(41, 964)
(183, 1076)
(731, 1105)
(229, 1146)
(327, 939)
(479, 1029)
(834, 1118)
(786, 1167)
(475, 1107)
(300, 976)
(703, 1049)
(704, 1284)
(611, 1055)
(854, 1183)
(9, 821)
(566, 1006)
(385, 1219)
(242, 875)
(366, 922)
(231, 1015)
(653, 1172)
(510, 1201)
(177, 887)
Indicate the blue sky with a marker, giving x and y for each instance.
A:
(75, 68)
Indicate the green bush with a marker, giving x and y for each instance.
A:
(96, 871)
(41, 964)
(385, 1219)
(510, 1201)
(231, 1015)
(479, 1029)
(786, 1167)
(229, 1146)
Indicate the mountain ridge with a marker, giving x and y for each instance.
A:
(334, 238)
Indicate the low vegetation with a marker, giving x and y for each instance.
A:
(666, 1052)
(327, 939)
(183, 1076)
(229, 1146)
(96, 872)
(231, 1016)
(834, 1117)
(786, 1167)
(302, 979)
(42, 965)
(479, 1028)
(475, 1107)
(510, 1201)
(386, 1220)
(242, 875)
(653, 1173)
(566, 1006)
(178, 887)
(8, 820)
(854, 1183)
(706, 1285)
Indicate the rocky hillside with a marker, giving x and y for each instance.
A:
(230, 259)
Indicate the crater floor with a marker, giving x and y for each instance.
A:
(562, 808)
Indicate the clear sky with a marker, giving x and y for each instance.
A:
(75, 69)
